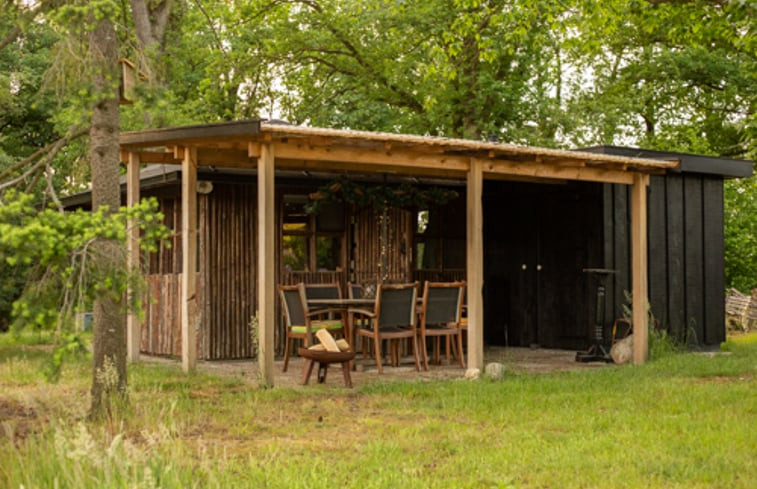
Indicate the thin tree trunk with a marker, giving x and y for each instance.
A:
(109, 373)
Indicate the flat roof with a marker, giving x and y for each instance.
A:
(385, 149)
(690, 163)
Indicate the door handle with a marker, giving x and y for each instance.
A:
(538, 268)
(523, 267)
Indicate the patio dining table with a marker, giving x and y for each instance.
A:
(344, 306)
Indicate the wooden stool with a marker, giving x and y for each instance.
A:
(323, 359)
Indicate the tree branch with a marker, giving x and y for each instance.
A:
(10, 37)
(43, 156)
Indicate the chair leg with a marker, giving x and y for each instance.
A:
(377, 353)
(436, 350)
(286, 353)
(447, 348)
(460, 349)
(424, 354)
(415, 353)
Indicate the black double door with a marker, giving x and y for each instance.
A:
(537, 241)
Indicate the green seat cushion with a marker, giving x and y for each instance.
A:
(315, 325)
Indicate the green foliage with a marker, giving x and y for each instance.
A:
(741, 234)
(665, 75)
(64, 271)
(440, 67)
(24, 112)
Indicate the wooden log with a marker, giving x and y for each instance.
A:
(327, 340)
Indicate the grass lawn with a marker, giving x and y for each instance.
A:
(685, 420)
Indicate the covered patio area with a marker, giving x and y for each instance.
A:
(267, 151)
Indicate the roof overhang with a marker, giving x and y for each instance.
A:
(690, 163)
(237, 145)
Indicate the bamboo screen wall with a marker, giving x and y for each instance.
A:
(366, 247)
(228, 282)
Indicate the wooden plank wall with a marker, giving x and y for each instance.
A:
(685, 247)
(161, 328)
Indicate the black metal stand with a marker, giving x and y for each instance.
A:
(597, 351)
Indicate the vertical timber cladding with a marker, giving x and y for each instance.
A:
(538, 240)
(161, 326)
(228, 254)
(685, 249)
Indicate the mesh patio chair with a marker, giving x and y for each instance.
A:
(441, 315)
(324, 291)
(300, 322)
(393, 318)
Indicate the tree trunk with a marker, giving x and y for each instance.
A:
(109, 373)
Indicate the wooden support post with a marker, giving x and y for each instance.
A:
(189, 260)
(475, 264)
(133, 333)
(639, 267)
(266, 263)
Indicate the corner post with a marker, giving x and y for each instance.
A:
(639, 267)
(189, 260)
(266, 263)
(133, 327)
(475, 264)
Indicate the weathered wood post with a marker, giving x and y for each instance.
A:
(639, 267)
(133, 332)
(475, 264)
(189, 260)
(266, 263)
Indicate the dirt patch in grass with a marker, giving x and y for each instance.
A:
(726, 379)
(18, 420)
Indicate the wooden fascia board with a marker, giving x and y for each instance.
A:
(191, 135)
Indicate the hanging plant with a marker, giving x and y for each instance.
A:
(378, 196)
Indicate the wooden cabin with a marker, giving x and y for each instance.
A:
(525, 224)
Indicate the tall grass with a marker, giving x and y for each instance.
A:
(683, 420)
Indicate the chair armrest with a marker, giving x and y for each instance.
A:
(364, 312)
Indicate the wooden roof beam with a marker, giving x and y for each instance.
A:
(548, 171)
(361, 159)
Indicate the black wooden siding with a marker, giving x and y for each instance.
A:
(685, 246)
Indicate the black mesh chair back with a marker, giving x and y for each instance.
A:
(396, 305)
(322, 291)
(443, 305)
(293, 308)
